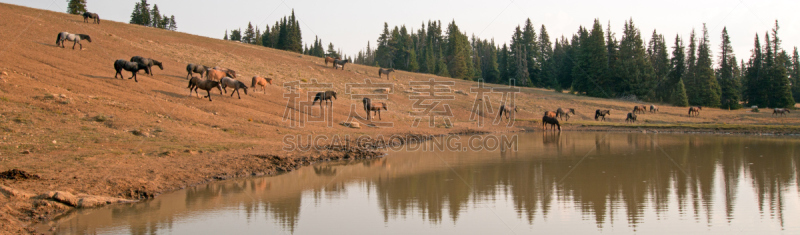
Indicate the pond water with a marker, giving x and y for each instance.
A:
(572, 182)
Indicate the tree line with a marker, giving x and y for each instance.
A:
(594, 62)
(143, 15)
(285, 35)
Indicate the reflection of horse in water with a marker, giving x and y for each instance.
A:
(551, 138)
(324, 171)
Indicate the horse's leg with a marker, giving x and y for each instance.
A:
(209, 94)
(379, 115)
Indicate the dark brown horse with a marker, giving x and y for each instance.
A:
(195, 68)
(88, 15)
(631, 117)
(373, 107)
(695, 110)
(560, 113)
(601, 113)
(780, 111)
(329, 59)
(506, 109)
(324, 97)
(552, 121)
(206, 85)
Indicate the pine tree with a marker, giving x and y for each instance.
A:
(676, 74)
(679, 95)
(613, 72)
(458, 53)
(728, 82)
(636, 73)
(249, 34)
(266, 38)
(141, 14)
(236, 35)
(172, 24)
(155, 17)
(708, 88)
(781, 93)
(659, 58)
(795, 74)
(332, 52)
(76, 7)
(226, 36)
(547, 72)
(592, 63)
(756, 89)
(531, 48)
(689, 79)
(503, 65)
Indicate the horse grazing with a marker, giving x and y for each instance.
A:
(631, 117)
(329, 59)
(207, 85)
(195, 68)
(506, 109)
(780, 111)
(639, 109)
(601, 113)
(653, 109)
(695, 110)
(132, 67)
(340, 62)
(550, 120)
(148, 62)
(382, 71)
(560, 113)
(88, 15)
(216, 74)
(75, 38)
(324, 97)
(375, 107)
(261, 81)
(230, 82)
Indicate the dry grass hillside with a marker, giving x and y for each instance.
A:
(67, 119)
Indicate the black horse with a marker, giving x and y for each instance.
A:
(340, 63)
(324, 96)
(196, 68)
(601, 113)
(631, 117)
(88, 15)
(132, 67)
(550, 120)
(148, 62)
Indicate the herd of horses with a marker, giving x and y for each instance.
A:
(222, 78)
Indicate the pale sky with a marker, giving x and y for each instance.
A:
(350, 24)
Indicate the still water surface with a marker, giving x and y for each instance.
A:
(573, 183)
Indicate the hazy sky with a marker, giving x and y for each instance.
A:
(350, 24)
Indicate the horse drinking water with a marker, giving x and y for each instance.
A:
(132, 67)
(75, 38)
(88, 15)
(147, 62)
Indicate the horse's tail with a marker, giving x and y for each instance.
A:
(384, 107)
(98, 18)
(58, 39)
(253, 83)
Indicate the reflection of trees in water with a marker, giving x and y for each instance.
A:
(325, 170)
(632, 178)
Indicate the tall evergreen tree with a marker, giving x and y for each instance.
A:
(226, 35)
(795, 74)
(249, 34)
(76, 7)
(592, 63)
(659, 59)
(708, 88)
(172, 24)
(781, 93)
(636, 73)
(458, 53)
(236, 35)
(757, 87)
(547, 72)
(332, 52)
(728, 81)
(141, 14)
(155, 17)
(676, 74)
(531, 48)
(689, 79)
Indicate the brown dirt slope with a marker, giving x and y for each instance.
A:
(66, 119)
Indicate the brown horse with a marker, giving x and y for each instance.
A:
(631, 117)
(374, 107)
(695, 110)
(550, 114)
(216, 74)
(329, 60)
(639, 109)
(550, 120)
(206, 85)
(507, 110)
(780, 111)
(230, 72)
(601, 113)
(560, 113)
(261, 81)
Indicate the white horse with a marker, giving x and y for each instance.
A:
(75, 38)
